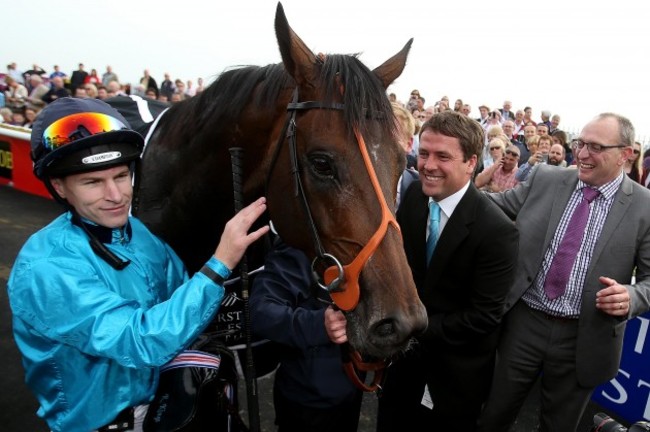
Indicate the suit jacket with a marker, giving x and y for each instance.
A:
(77, 78)
(624, 244)
(464, 291)
(506, 116)
(408, 177)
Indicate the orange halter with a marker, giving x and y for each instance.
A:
(346, 294)
(341, 282)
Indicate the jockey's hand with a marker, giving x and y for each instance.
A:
(236, 238)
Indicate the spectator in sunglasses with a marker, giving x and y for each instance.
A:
(501, 175)
(633, 163)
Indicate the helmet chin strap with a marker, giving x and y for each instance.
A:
(97, 246)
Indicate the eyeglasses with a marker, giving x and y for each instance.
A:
(422, 116)
(510, 152)
(593, 148)
(637, 151)
(76, 126)
(494, 148)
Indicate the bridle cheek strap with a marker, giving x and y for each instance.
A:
(347, 297)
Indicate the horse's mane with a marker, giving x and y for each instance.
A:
(223, 101)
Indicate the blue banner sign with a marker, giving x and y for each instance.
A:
(628, 394)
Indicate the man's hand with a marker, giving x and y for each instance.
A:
(335, 325)
(534, 158)
(613, 299)
(235, 238)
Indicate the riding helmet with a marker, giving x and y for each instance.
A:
(73, 135)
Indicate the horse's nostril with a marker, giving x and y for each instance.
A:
(385, 328)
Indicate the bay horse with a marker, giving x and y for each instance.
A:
(318, 136)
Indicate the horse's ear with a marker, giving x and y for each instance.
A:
(394, 66)
(298, 59)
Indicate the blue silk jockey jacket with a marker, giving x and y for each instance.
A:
(92, 338)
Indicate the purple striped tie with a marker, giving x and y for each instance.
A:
(560, 270)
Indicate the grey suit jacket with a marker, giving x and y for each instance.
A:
(624, 244)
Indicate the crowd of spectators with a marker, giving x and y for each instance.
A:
(515, 142)
(24, 93)
(508, 132)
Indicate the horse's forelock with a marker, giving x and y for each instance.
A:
(363, 93)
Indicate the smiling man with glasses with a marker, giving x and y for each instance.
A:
(583, 232)
(593, 148)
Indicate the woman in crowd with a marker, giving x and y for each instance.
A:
(633, 164)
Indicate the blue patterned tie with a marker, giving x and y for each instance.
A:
(434, 227)
(558, 274)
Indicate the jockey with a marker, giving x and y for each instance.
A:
(99, 302)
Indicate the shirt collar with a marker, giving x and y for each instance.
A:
(607, 190)
(104, 234)
(448, 205)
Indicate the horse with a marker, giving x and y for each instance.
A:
(318, 140)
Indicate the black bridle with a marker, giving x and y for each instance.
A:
(352, 360)
(341, 281)
(288, 134)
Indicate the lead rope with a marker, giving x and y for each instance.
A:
(352, 362)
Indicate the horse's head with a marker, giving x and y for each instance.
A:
(338, 162)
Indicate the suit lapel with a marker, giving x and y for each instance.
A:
(420, 215)
(455, 232)
(620, 206)
(561, 196)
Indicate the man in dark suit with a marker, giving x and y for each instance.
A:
(57, 91)
(78, 78)
(572, 337)
(443, 380)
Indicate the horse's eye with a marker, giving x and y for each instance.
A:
(322, 166)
